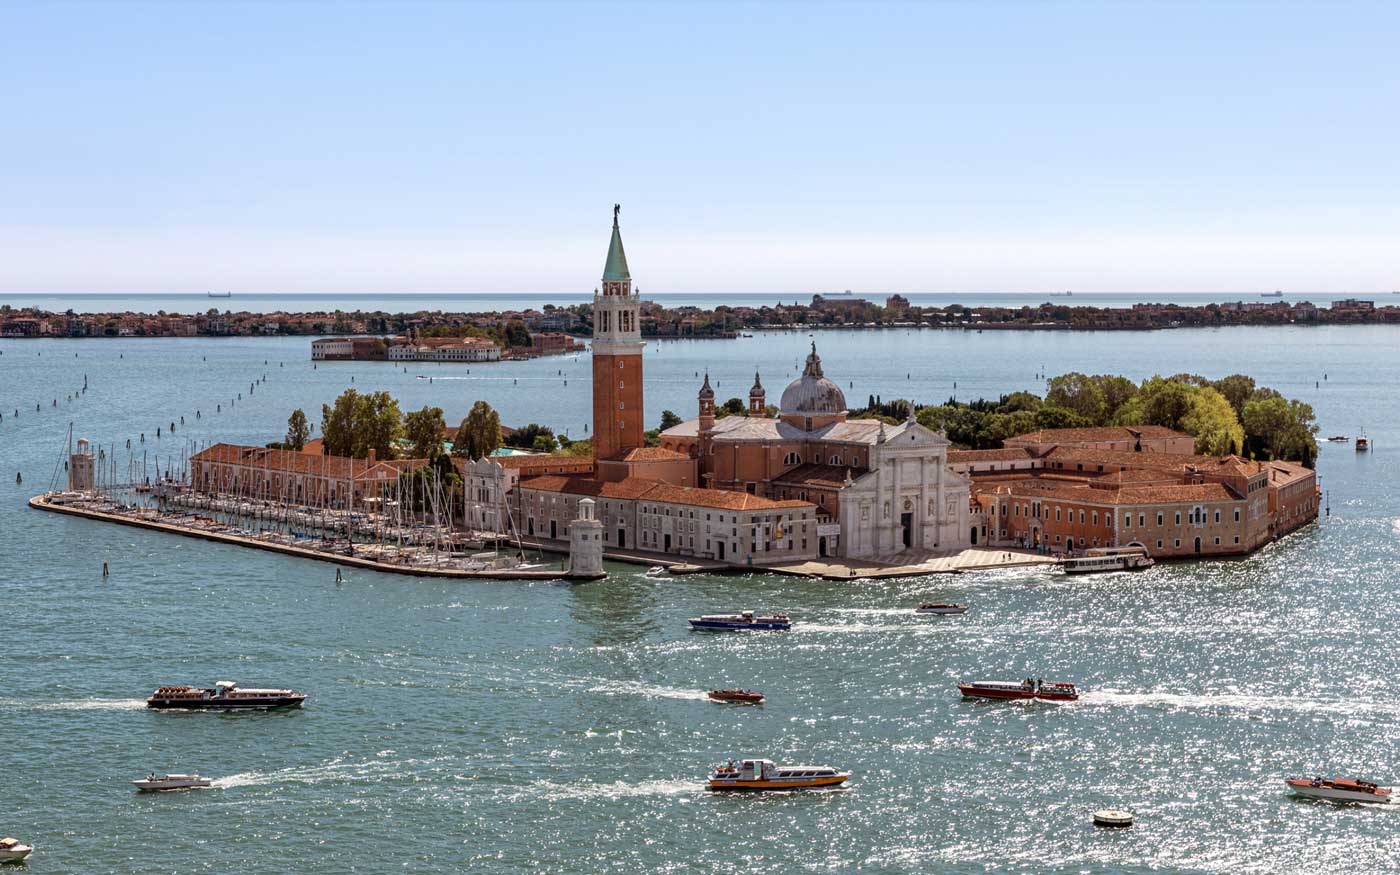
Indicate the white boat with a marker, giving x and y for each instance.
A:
(1338, 789)
(1102, 559)
(656, 571)
(765, 775)
(170, 782)
(941, 608)
(11, 851)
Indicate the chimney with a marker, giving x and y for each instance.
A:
(371, 455)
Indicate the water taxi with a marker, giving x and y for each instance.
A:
(751, 697)
(154, 782)
(1100, 559)
(742, 620)
(11, 851)
(941, 608)
(764, 775)
(1338, 789)
(223, 696)
(1030, 688)
(1338, 439)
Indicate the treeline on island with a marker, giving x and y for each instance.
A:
(1229, 415)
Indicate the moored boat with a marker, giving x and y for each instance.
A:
(752, 697)
(742, 620)
(1363, 443)
(765, 775)
(153, 782)
(11, 851)
(1101, 559)
(223, 696)
(1338, 439)
(1338, 789)
(941, 608)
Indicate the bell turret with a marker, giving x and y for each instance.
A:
(707, 405)
(757, 397)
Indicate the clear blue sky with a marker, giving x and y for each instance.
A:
(306, 146)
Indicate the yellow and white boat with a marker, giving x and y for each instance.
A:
(765, 775)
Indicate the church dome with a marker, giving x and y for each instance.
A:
(813, 393)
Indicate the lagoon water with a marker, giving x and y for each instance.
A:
(512, 727)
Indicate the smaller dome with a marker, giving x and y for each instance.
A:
(757, 386)
(813, 393)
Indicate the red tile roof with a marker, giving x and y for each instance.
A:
(549, 461)
(632, 487)
(654, 490)
(334, 467)
(1008, 454)
(1100, 433)
(814, 474)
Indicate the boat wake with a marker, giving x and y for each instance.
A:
(617, 688)
(853, 628)
(555, 791)
(335, 771)
(1242, 702)
(78, 705)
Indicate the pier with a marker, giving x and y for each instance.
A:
(150, 519)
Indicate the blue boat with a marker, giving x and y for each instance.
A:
(742, 620)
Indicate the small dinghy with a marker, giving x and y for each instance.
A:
(941, 608)
(752, 697)
(154, 782)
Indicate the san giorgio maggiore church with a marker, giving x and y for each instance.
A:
(752, 489)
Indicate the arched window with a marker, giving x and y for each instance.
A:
(836, 460)
(792, 459)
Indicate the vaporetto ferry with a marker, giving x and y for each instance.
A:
(223, 696)
(1101, 559)
(765, 775)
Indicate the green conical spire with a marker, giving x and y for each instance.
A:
(616, 268)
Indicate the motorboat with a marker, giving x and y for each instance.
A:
(1338, 439)
(751, 697)
(1056, 691)
(1338, 789)
(223, 696)
(1363, 443)
(765, 775)
(153, 782)
(11, 851)
(1030, 688)
(742, 620)
(1101, 559)
(941, 608)
(656, 571)
(998, 689)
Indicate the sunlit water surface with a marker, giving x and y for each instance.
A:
(539, 727)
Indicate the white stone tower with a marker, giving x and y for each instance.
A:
(586, 543)
(80, 468)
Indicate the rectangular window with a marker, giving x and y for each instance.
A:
(1142, 520)
(1159, 544)
(1217, 516)
(1159, 518)
(1178, 518)
(1127, 521)
(1237, 515)
(1178, 542)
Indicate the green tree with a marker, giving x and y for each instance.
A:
(1079, 393)
(425, 430)
(732, 407)
(1237, 389)
(1211, 421)
(298, 430)
(479, 435)
(516, 334)
(669, 420)
(1019, 401)
(338, 424)
(526, 438)
(1054, 416)
(359, 423)
(1160, 401)
(545, 443)
(1281, 429)
(579, 448)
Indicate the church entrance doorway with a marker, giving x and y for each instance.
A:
(906, 521)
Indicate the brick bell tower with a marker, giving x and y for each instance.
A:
(617, 357)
